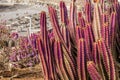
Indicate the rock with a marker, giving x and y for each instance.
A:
(1, 58)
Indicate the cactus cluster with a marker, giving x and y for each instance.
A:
(83, 45)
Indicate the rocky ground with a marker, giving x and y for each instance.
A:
(17, 21)
(15, 17)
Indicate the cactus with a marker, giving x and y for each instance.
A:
(81, 44)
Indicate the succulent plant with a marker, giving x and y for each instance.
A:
(80, 48)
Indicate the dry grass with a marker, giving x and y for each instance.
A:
(34, 73)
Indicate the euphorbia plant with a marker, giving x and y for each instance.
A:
(80, 48)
